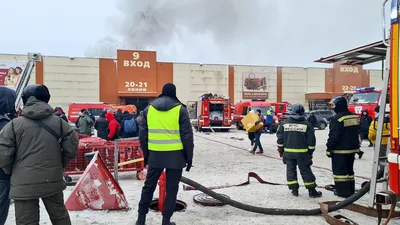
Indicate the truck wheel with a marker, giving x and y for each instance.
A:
(322, 126)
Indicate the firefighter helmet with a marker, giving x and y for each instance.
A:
(298, 109)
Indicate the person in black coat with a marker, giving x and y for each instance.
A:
(118, 116)
(58, 111)
(365, 122)
(101, 126)
(128, 116)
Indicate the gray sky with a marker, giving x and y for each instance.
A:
(266, 32)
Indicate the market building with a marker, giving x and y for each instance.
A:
(137, 77)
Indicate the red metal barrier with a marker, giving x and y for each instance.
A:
(127, 150)
(162, 190)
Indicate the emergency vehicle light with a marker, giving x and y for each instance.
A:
(359, 90)
(258, 100)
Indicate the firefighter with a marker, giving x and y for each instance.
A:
(343, 143)
(386, 131)
(296, 143)
(166, 138)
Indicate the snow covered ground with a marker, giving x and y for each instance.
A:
(218, 164)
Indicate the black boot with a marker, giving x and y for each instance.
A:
(314, 193)
(295, 192)
(141, 220)
(167, 221)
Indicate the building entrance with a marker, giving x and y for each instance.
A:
(140, 102)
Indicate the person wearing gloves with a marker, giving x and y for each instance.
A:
(36, 147)
(343, 143)
(296, 144)
(166, 138)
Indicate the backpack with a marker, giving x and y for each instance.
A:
(130, 126)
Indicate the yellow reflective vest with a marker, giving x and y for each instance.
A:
(163, 130)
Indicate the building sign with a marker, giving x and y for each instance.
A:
(137, 72)
(348, 69)
(347, 78)
(10, 73)
(255, 85)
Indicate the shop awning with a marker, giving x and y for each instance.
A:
(358, 56)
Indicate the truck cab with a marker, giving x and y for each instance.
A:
(364, 99)
(74, 109)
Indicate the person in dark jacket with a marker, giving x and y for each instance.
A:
(342, 144)
(139, 118)
(101, 126)
(313, 120)
(91, 115)
(251, 136)
(118, 116)
(113, 127)
(269, 120)
(296, 144)
(58, 111)
(36, 147)
(365, 122)
(167, 119)
(127, 116)
(7, 113)
(257, 135)
(85, 123)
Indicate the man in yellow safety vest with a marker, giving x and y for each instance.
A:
(166, 138)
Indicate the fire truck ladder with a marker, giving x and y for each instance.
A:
(384, 110)
(378, 161)
(25, 77)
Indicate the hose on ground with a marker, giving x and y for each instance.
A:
(280, 211)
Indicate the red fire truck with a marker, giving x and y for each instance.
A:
(211, 113)
(364, 99)
(280, 108)
(242, 108)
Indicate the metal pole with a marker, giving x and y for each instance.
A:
(116, 151)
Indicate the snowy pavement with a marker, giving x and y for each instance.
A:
(218, 164)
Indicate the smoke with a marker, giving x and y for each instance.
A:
(264, 32)
(159, 24)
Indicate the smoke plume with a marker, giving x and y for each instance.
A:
(264, 32)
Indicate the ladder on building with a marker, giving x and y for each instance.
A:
(25, 77)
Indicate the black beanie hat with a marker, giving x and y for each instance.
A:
(169, 90)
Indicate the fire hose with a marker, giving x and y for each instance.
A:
(268, 156)
(251, 175)
(331, 206)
